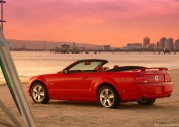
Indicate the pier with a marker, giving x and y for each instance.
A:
(99, 51)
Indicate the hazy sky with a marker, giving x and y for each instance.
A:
(114, 22)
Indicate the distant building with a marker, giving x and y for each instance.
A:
(176, 44)
(158, 46)
(161, 44)
(134, 46)
(107, 47)
(152, 46)
(168, 44)
(146, 42)
(74, 45)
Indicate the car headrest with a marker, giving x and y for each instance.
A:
(100, 69)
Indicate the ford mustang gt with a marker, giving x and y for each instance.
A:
(89, 80)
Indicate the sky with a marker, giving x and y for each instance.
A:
(114, 22)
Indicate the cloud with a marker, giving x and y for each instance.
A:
(75, 17)
(84, 10)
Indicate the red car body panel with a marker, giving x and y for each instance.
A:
(83, 86)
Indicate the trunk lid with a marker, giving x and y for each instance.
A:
(153, 75)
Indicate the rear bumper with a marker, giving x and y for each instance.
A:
(156, 90)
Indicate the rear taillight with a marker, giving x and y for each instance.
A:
(167, 78)
(141, 79)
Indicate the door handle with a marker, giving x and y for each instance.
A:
(84, 77)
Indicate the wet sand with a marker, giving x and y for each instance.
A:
(164, 113)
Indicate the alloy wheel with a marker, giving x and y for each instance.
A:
(38, 93)
(107, 97)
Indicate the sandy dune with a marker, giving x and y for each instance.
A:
(164, 113)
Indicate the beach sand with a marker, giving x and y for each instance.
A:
(164, 113)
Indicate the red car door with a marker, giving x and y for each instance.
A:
(74, 86)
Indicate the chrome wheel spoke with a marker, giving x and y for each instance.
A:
(35, 96)
(40, 89)
(38, 98)
(109, 102)
(102, 96)
(34, 90)
(42, 94)
(106, 91)
(104, 102)
(111, 96)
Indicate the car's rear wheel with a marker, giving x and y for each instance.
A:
(146, 101)
(39, 93)
(108, 97)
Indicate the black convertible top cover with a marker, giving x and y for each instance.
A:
(125, 68)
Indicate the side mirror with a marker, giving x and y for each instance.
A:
(65, 71)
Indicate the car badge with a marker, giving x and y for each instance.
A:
(156, 78)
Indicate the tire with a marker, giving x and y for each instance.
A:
(108, 97)
(39, 93)
(146, 101)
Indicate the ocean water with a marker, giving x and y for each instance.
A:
(31, 63)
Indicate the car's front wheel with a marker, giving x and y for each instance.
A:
(39, 93)
(146, 101)
(108, 97)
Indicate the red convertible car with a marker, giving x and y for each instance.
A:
(89, 80)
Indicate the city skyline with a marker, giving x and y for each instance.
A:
(160, 45)
(92, 21)
(163, 44)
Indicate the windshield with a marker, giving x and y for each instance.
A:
(85, 66)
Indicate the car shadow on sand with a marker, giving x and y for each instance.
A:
(122, 106)
(133, 105)
(76, 103)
